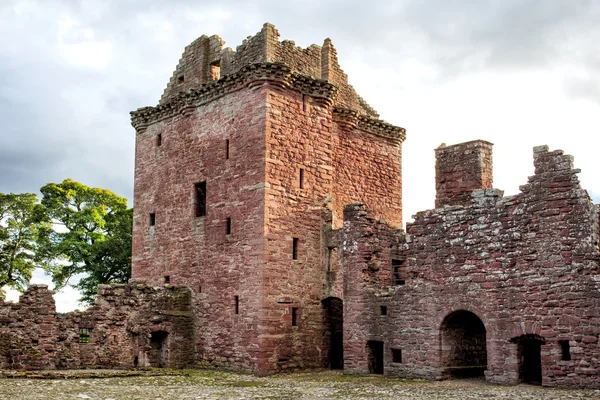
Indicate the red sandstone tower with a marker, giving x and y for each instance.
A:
(247, 157)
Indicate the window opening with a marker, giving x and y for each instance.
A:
(304, 102)
(215, 70)
(228, 226)
(397, 356)
(227, 149)
(167, 279)
(152, 219)
(159, 139)
(180, 79)
(200, 199)
(383, 310)
(294, 248)
(294, 316)
(237, 304)
(565, 350)
(399, 272)
(84, 335)
(301, 178)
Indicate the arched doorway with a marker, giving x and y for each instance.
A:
(463, 345)
(333, 311)
(159, 349)
(530, 358)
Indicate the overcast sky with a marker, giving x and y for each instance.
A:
(516, 73)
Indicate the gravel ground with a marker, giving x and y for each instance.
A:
(220, 385)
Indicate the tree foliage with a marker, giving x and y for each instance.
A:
(93, 236)
(24, 233)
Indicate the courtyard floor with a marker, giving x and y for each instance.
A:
(106, 385)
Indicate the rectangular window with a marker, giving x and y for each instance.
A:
(152, 219)
(294, 248)
(215, 70)
(397, 356)
(159, 139)
(167, 279)
(237, 304)
(200, 189)
(565, 350)
(304, 102)
(383, 310)
(398, 272)
(227, 149)
(301, 178)
(228, 226)
(84, 335)
(294, 316)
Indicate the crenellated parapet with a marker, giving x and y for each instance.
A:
(352, 119)
(207, 60)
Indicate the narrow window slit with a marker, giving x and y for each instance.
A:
(294, 316)
(152, 219)
(159, 140)
(294, 248)
(301, 178)
(227, 149)
(237, 304)
(200, 190)
(228, 226)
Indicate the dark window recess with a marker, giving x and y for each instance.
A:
(84, 335)
(304, 102)
(565, 350)
(227, 149)
(383, 310)
(294, 316)
(181, 79)
(228, 226)
(397, 356)
(200, 189)
(301, 178)
(399, 272)
(237, 304)
(152, 219)
(294, 248)
(159, 139)
(167, 279)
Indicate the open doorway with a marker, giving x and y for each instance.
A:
(375, 354)
(333, 309)
(530, 358)
(463, 345)
(159, 349)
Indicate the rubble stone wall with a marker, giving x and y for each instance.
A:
(119, 329)
(525, 265)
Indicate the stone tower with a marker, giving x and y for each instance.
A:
(241, 171)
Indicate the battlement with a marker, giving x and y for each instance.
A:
(206, 60)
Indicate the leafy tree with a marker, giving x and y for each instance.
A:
(93, 236)
(24, 230)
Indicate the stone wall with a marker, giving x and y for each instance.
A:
(526, 266)
(117, 332)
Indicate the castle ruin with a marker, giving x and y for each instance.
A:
(267, 237)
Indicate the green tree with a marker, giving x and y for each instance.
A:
(93, 236)
(24, 231)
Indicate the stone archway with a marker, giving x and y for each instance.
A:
(333, 311)
(463, 351)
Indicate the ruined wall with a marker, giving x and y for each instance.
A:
(206, 60)
(119, 329)
(196, 251)
(525, 265)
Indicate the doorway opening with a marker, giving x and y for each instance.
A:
(530, 358)
(375, 354)
(333, 309)
(159, 349)
(463, 345)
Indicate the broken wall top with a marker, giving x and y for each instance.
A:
(206, 59)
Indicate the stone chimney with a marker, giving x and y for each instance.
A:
(460, 169)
